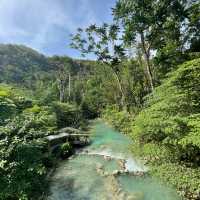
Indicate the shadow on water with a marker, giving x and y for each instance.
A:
(92, 174)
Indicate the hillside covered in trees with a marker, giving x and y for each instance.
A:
(145, 82)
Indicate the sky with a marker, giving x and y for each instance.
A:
(46, 25)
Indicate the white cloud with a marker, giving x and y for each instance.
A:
(34, 22)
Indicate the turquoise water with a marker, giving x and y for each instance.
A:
(91, 174)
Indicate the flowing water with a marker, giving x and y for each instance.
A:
(105, 170)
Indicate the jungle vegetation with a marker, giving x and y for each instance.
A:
(145, 82)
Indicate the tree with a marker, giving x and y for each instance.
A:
(146, 21)
(64, 70)
(61, 80)
(104, 42)
(193, 34)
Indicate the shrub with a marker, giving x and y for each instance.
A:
(40, 119)
(121, 120)
(185, 179)
(22, 147)
(66, 150)
(167, 131)
(67, 114)
(23, 175)
(7, 109)
(171, 117)
(88, 110)
(11, 103)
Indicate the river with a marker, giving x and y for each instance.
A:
(104, 171)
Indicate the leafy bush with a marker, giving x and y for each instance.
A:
(7, 106)
(66, 150)
(11, 103)
(67, 114)
(40, 118)
(167, 131)
(7, 109)
(88, 110)
(185, 179)
(121, 120)
(172, 115)
(22, 160)
(23, 175)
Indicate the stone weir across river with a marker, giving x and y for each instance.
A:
(76, 137)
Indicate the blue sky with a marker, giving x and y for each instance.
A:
(45, 25)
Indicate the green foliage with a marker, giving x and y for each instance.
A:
(22, 147)
(99, 40)
(7, 106)
(11, 102)
(67, 114)
(66, 150)
(7, 109)
(153, 152)
(23, 175)
(185, 179)
(35, 109)
(192, 138)
(168, 118)
(121, 120)
(94, 100)
(89, 110)
(149, 39)
(167, 130)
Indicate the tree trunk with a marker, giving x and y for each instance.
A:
(62, 90)
(69, 86)
(146, 51)
(123, 98)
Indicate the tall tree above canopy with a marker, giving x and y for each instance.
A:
(102, 41)
(64, 67)
(194, 26)
(105, 43)
(146, 21)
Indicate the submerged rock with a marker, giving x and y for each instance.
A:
(136, 196)
(100, 170)
(116, 172)
(108, 158)
(122, 164)
(99, 166)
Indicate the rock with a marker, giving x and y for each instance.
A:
(126, 171)
(100, 170)
(106, 174)
(137, 196)
(137, 173)
(140, 173)
(99, 166)
(116, 172)
(122, 163)
(122, 196)
(86, 151)
(107, 157)
(119, 190)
